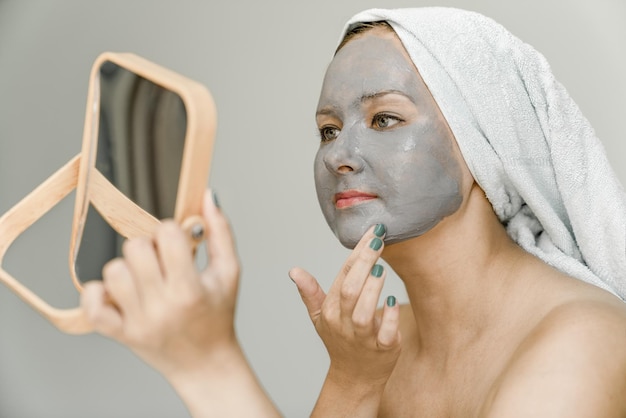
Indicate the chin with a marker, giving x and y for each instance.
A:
(349, 244)
(414, 232)
(349, 237)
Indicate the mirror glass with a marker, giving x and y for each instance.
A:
(141, 136)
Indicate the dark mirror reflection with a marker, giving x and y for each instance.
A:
(141, 137)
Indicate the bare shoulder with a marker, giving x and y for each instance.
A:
(572, 364)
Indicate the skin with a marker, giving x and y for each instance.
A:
(385, 139)
(490, 331)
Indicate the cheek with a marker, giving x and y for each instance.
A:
(429, 146)
(424, 164)
(400, 155)
(323, 181)
(443, 152)
(319, 170)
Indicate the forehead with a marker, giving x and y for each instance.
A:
(369, 63)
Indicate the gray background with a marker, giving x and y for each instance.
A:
(263, 62)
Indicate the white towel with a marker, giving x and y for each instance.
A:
(524, 139)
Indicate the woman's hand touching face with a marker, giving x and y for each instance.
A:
(363, 344)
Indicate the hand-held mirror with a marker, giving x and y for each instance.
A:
(147, 146)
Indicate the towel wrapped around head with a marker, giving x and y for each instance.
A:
(524, 139)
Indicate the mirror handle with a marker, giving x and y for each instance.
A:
(23, 215)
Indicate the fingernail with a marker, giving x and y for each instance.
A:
(216, 201)
(391, 301)
(375, 244)
(380, 230)
(377, 270)
(197, 232)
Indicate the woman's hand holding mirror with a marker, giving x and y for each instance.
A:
(178, 319)
(155, 301)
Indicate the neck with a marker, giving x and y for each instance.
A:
(456, 276)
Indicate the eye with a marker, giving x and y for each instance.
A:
(329, 133)
(384, 121)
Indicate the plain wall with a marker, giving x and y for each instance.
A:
(263, 62)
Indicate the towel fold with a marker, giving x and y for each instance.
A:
(524, 139)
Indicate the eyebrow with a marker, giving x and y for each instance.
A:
(372, 96)
(326, 111)
(332, 111)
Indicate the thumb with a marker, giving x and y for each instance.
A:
(310, 291)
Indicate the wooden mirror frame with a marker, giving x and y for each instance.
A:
(124, 216)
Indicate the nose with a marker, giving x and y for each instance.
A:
(342, 156)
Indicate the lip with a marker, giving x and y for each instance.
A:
(350, 198)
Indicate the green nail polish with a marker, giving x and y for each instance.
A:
(377, 270)
(391, 301)
(376, 244)
(215, 200)
(380, 230)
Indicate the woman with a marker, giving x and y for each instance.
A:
(448, 149)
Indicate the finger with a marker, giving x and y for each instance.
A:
(221, 252)
(310, 291)
(102, 315)
(176, 255)
(363, 316)
(376, 231)
(141, 259)
(359, 272)
(389, 330)
(119, 284)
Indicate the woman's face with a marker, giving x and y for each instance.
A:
(386, 154)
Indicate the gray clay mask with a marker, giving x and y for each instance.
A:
(386, 154)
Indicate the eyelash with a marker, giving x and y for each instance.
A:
(321, 131)
(325, 128)
(379, 116)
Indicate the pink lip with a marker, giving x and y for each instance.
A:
(351, 198)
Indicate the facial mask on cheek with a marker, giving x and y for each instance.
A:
(413, 174)
(424, 182)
